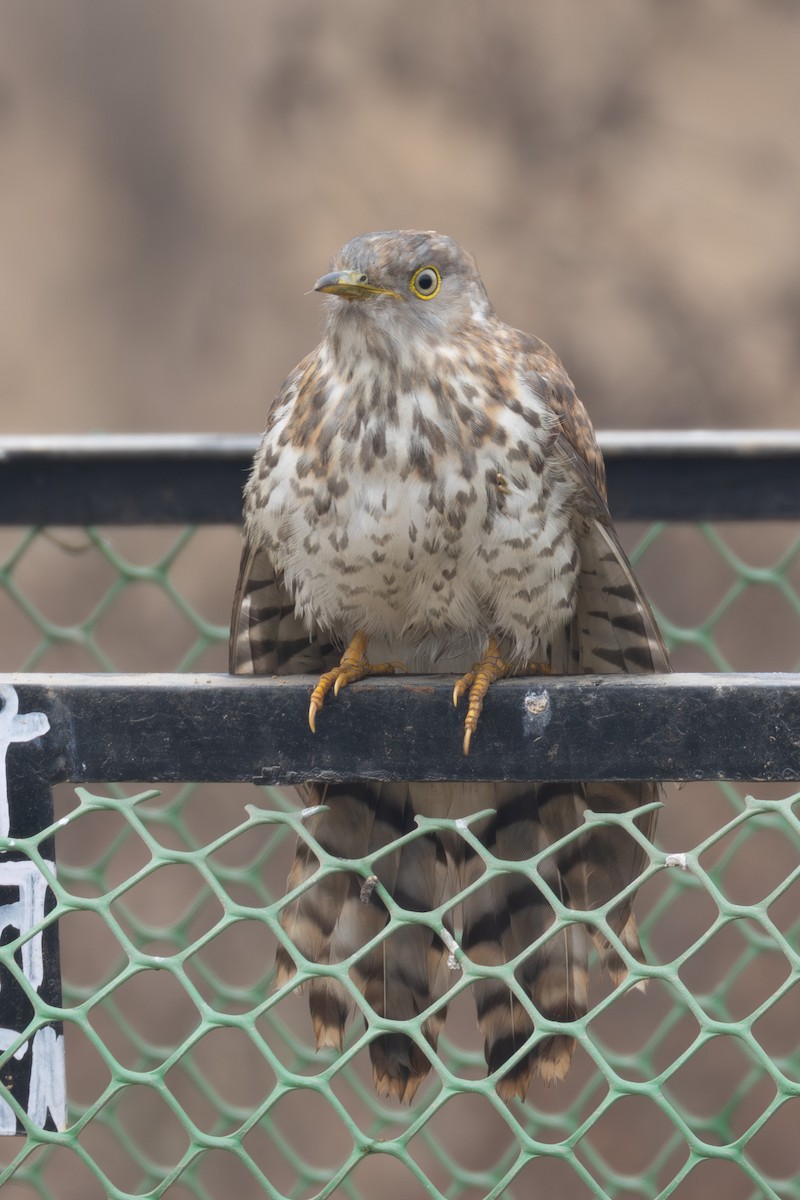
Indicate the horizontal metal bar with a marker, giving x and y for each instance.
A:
(198, 479)
(697, 475)
(216, 727)
(678, 443)
(158, 480)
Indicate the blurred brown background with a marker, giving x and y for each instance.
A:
(174, 174)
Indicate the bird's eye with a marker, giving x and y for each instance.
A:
(425, 282)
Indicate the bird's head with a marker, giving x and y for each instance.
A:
(407, 283)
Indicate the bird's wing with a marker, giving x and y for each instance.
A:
(613, 630)
(266, 637)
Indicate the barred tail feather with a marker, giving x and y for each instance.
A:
(408, 971)
(602, 862)
(404, 973)
(501, 920)
(313, 920)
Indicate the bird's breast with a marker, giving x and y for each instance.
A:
(420, 531)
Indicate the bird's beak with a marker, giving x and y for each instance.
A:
(352, 285)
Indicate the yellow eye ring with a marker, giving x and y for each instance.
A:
(425, 282)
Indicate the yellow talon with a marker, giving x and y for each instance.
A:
(462, 685)
(477, 682)
(353, 666)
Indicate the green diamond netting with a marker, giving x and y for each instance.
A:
(190, 1076)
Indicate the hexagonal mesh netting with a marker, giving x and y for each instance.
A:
(190, 1076)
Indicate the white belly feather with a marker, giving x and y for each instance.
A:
(427, 581)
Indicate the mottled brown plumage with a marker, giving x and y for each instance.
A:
(429, 490)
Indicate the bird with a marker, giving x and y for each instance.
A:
(429, 496)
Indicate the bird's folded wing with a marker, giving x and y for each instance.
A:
(266, 637)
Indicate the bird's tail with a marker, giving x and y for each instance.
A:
(400, 975)
(509, 919)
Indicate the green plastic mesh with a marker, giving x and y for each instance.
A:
(190, 1076)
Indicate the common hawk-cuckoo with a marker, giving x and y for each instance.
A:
(429, 488)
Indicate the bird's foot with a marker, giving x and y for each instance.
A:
(483, 674)
(353, 665)
(477, 682)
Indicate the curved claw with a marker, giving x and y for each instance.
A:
(353, 666)
(477, 682)
(336, 678)
(318, 695)
(483, 680)
(463, 685)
